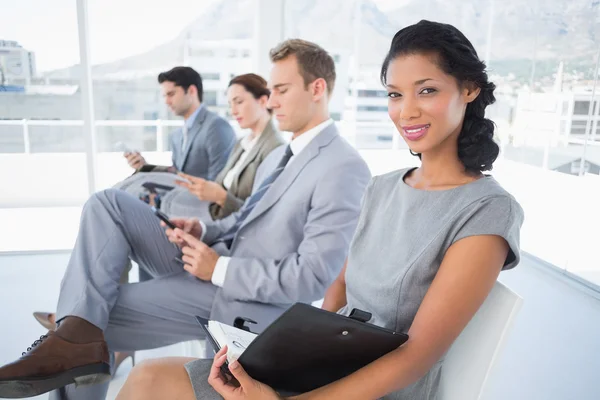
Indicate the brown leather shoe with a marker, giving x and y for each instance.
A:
(53, 362)
(48, 320)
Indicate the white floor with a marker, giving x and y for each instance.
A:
(31, 283)
(551, 353)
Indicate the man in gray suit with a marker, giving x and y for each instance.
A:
(285, 245)
(201, 148)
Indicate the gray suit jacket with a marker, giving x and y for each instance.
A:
(210, 141)
(241, 187)
(294, 243)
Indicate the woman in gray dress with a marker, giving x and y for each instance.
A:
(429, 244)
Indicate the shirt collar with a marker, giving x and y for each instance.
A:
(247, 143)
(300, 143)
(190, 121)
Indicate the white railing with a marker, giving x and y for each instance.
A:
(159, 124)
(348, 129)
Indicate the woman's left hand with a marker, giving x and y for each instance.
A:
(249, 388)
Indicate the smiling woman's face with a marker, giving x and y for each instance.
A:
(426, 104)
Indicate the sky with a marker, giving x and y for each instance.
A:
(118, 28)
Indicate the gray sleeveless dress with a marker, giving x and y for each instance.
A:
(399, 243)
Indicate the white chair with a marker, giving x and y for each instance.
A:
(317, 303)
(470, 359)
(194, 348)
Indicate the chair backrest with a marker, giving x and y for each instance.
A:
(468, 362)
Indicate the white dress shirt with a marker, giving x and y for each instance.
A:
(247, 144)
(187, 125)
(296, 145)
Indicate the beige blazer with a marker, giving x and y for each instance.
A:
(241, 187)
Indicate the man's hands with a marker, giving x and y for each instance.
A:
(187, 225)
(200, 260)
(135, 160)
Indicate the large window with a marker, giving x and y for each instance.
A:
(131, 42)
(41, 138)
(541, 56)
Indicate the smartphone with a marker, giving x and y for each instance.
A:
(120, 146)
(163, 217)
(179, 261)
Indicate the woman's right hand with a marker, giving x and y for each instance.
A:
(245, 388)
(203, 189)
(188, 225)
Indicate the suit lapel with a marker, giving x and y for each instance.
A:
(233, 158)
(291, 172)
(262, 139)
(192, 133)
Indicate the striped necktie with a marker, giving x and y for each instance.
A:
(255, 198)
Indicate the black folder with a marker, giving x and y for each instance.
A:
(307, 347)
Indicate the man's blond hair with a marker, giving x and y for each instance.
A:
(313, 61)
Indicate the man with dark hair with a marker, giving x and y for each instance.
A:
(201, 148)
(285, 245)
(184, 77)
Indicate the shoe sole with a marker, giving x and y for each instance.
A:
(80, 376)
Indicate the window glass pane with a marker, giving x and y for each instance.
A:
(372, 108)
(128, 54)
(210, 98)
(41, 140)
(11, 138)
(544, 75)
(211, 76)
(581, 107)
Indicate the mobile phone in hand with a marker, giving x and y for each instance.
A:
(163, 217)
(179, 261)
(120, 146)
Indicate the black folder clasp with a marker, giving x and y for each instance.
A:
(360, 315)
(240, 322)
